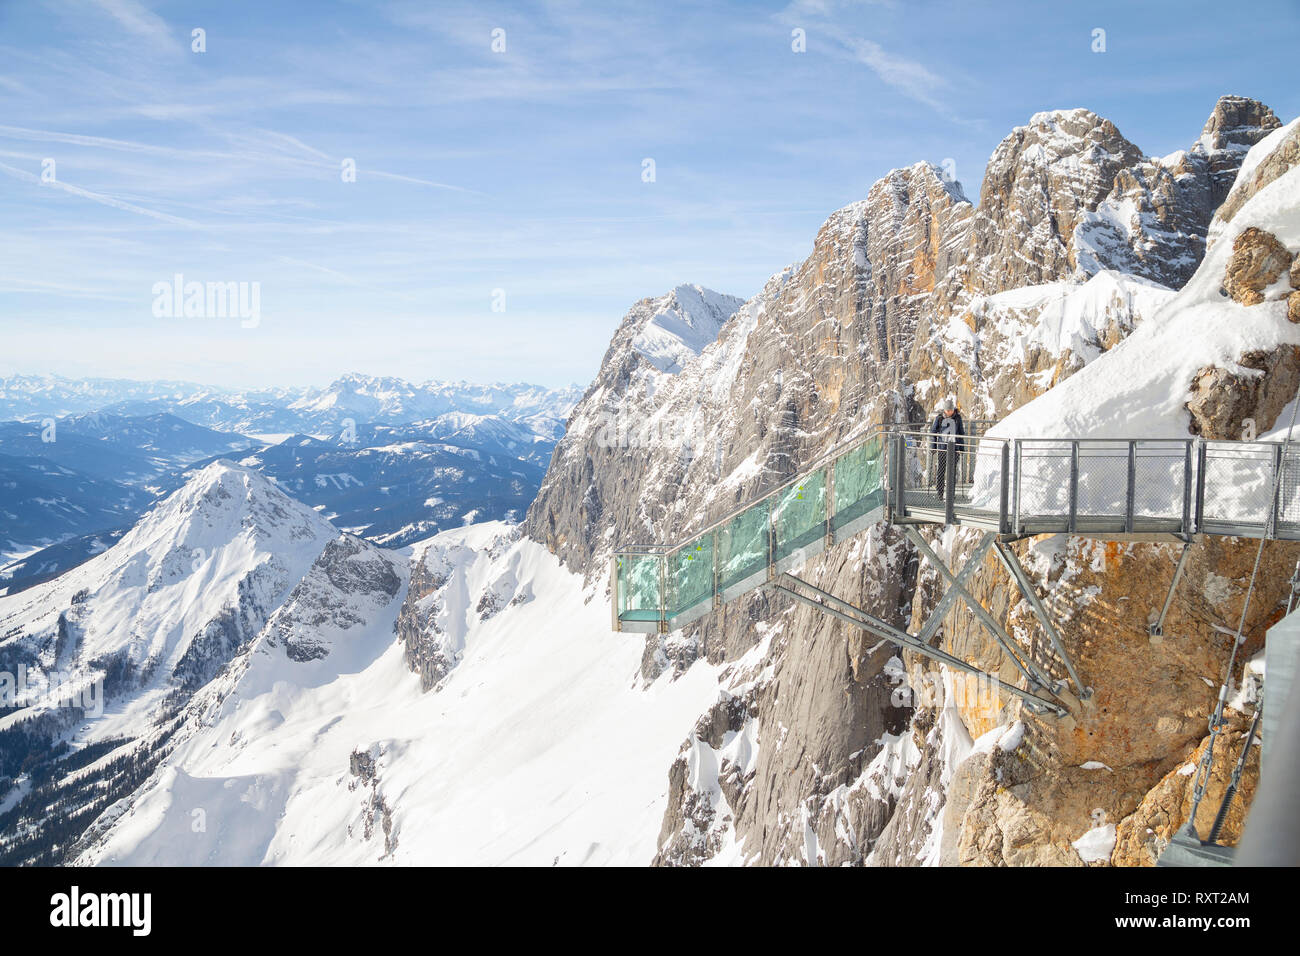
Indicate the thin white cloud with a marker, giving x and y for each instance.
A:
(413, 179)
(96, 197)
(98, 142)
(907, 76)
(138, 19)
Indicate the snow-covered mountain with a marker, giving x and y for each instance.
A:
(43, 504)
(394, 401)
(908, 296)
(88, 474)
(466, 701)
(131, 634)
(132, 450)
(397, 485)
(26, 397)
(1221, 349)
(674, 328)
(535, 750)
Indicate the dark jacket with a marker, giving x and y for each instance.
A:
(947, 426)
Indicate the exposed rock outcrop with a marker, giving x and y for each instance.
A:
(1143, 835)
(1258, 260)
(1293, 300)
(1224, 400)
(908, 295)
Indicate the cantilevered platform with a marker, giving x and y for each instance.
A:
(1108, 488)
(1006, 488)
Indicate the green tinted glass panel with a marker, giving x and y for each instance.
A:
(801, 513)
(859, 480)
(690, 574)
(639, 582)
(743, 544)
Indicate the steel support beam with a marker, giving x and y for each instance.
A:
(1074, 486)
(1026, 586)
(1157, 629)
(1004, 491)
(956, 585)
(827, 603)
(957, 588)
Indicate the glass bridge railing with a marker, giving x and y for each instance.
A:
(656, 587)
(1014, 487)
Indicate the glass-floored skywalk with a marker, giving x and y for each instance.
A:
(1098, 487)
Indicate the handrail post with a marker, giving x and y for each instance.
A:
(771, 542)
(1270, 530)
(717, 596)
(950, 482)
(1130, 492)
(1004, 519)
(1201, 461)
(613, 592)
(887, 474)
(663, 593)
(1015, 525)
(1074, 485)
(900, 497)
(1187, 489)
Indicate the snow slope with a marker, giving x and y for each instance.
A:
(538, 748)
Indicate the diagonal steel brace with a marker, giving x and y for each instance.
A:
(957, 588)
(842, 610)
(1026, 586)
(956, 584)
(1157, 627)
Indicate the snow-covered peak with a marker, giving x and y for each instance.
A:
(1066, 121)
(169, 604)
(223, 500)
(536, 750)
(1071, 143)
(1064, 133)
(678, 326)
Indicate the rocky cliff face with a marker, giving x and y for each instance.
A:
(1113, 781)
(828, 748)
(1077, 236)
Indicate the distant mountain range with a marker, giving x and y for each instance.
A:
(81, 460)
(362, 399)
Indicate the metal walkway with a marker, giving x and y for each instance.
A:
(1006, 486)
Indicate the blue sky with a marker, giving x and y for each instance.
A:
(518, 171)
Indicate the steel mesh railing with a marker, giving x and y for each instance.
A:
(1014, 486)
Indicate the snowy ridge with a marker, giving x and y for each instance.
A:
(536, 751)
(285, 410)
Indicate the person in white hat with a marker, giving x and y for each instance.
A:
(947, 428)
